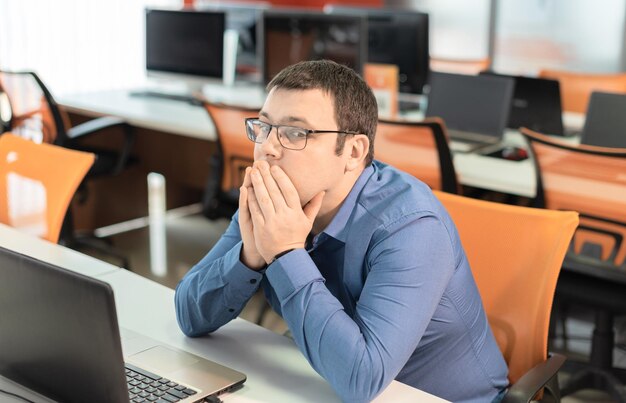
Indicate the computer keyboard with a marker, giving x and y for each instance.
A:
(163, 95)
(144, 386)
(408, 105)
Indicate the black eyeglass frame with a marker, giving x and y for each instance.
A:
(256, 120)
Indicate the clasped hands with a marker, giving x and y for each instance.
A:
(271, 218)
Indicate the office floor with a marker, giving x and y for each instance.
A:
(190, 237)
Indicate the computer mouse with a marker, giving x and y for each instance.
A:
(514, 153)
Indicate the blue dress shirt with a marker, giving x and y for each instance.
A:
(384, 292)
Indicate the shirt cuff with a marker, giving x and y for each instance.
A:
(241, 280)
(291, 272)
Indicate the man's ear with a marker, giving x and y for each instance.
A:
(357, 148)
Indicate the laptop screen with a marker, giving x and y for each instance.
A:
(475, 104)
(59, 332)
(59, 336)
(536, 104)
(605, 125)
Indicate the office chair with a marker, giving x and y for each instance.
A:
(234, 153)
(515, 254)
(32, 113)
(37, 183)
(590, 180)
(459, 66)
(576, 88)
(420, 149)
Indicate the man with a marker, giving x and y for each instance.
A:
(360, 259)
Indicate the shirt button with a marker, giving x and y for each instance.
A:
(231, 310)
(253, 281)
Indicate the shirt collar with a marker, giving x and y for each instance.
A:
(337, 227)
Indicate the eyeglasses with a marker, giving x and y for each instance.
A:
(290, 137)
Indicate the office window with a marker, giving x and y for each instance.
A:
(76, 45)
(579, 35)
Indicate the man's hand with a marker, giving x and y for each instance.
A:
(249, 254)
(279, 221)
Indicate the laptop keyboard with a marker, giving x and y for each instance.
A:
(144, 386)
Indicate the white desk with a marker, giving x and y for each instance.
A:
(29, 245)
(187, 120)
(276, 370)
(174, 117)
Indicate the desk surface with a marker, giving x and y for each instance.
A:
(178, 117)
(276, 369)
(26, 244)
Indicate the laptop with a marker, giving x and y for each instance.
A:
(59, 336)
(536, 104)
(605, 124)
(474, 108)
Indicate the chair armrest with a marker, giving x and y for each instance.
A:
(534, 380)
(106, 122)
(94, 125)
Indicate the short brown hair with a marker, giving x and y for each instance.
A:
(355, 106)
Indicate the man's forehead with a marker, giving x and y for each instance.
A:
(300, 107)
(314, 93)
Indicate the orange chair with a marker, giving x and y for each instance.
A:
(576, 88)
(587, 179)
(37, 183)
(592, 181)
(235, 153)
(420, 149)
(459, 66)
(516, 254)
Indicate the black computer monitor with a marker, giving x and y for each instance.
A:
(185, 42)
(397, 37)
(288, 37)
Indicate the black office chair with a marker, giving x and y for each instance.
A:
(28, 110)
(589, 179)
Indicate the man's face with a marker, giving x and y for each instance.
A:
(316, 167)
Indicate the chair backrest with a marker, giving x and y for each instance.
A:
(236, 149)
(420, 149)
(576, 88)
(37, 183)
(459, 66)
(35, 114)
(587, 179)
(515, 254)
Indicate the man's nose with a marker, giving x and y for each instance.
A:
(271, 145)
